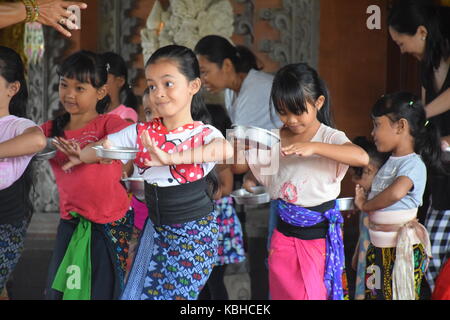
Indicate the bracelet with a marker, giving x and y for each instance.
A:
(32, 10)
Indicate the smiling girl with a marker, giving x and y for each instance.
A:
(96, 223)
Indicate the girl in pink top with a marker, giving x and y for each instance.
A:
(20, 139)
(306, 256)
(123, 101)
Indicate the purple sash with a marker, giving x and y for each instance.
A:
(335, 259)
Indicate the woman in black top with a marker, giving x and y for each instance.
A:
(420, 29)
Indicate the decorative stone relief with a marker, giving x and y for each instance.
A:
(43, 103)
(298, 23)
(185, 23)
(244, 23)
(116, 28)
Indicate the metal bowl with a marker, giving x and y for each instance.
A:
(116, 153)
(255, 135)
(346, 204)
(48, 153)
(243, 197)
(136, 186)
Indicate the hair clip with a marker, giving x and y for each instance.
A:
(427, 123)
(108, 67)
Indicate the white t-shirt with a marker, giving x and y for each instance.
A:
(252, 107)
(303, 181)
(12, 169)
(177, 140)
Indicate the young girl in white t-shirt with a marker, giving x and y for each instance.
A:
(306, 257)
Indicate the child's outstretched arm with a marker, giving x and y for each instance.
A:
(218, 150)
(31, 141)
(392, 194)
(347, 153)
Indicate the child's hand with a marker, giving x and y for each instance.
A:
(71, 149)
(302, 149)
(106, 144)
(249, 182)
(158, 158)
(360, 197)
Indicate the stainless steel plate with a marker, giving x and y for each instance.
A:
(346, 204)
(249, 135)
(243, 197)
(136, 186)
(116, 153)
(48, 153)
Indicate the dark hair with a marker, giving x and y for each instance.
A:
(220, 118)
(216, 49)
(376, 157)
(118, 67)
(295, 85)
(406, 16)
(188, 66)
(427, 140)
(86, 67)
(12, 70)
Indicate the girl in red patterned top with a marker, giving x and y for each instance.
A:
(178, 245)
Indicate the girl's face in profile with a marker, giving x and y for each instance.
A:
(7, 91)
(365, 180)
(115, 84)
(384, 134)
(149, 113)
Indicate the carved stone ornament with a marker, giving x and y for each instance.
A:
(43, 102)
(116, 29)
(244, 23)
(185, 23)
(298, 23)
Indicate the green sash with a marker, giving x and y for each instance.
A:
(73, 277)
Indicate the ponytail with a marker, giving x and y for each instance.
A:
(128, 97)
(246, 60)
(428, 145)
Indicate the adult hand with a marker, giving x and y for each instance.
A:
(55, 13)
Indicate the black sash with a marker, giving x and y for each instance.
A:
(318, 231)
(13, 208)
(179, 204)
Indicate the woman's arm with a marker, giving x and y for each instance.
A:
(439, 105)
(50, 13)
(31, 141)
(12, 13)
(347, 153)
(391, 195)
